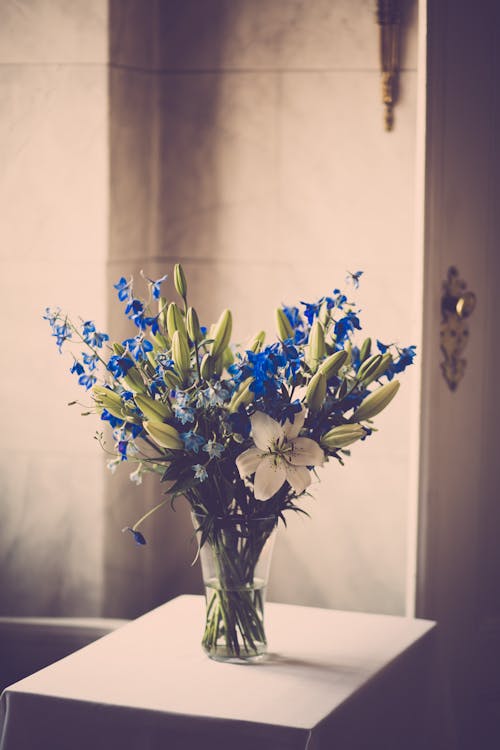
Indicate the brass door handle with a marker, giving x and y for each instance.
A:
(457, 304)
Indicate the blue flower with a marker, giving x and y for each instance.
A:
(122, 446)
(119, 365)
(61, 333)
(52, 315)
(199, 472)
(106, 416)
(354, 277)
(87, 380)
(138, 537)
(184, 413)
(77, 367)
(382, 347)
(192, 441)
(345, 325)
(214, 449)
(91, 336)
(406, 357)
(138, 347)
(90, 359)
(123, 288)
(312, 309)
(155, 286)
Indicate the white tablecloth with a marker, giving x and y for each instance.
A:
(333, 680)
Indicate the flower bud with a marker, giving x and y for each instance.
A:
(384, 365)
(342, 436)
(242, 396)
(109, 400)
(256, 344)
(285, 330)
(180, 353)
(365, 350)
(162, 313)
(227, 358)
(134, 380)
(164, 435)
(316, 345)
(152, 409)
(172, 380)
(222, 333)
(175, 320)
(207, 367)
(316, 392)
(332, 364)
(369, 366)
(118, 349)
(180, 282)
(193, 326)
(376, 401)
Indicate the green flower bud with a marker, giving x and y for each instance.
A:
(384, 365)
(342, 436)
(222, 333)
(256, 344)
(332, 364)
(109, 400)
(160, 343)
(376, 401)
(180, 282)
(193, 326)
(369, 366)
(153, 410)
(118, 348)
(180, 353)
(316, 392)
(227, 358)
(316, 345)
(134, 380)
(243, 395)
(164, 435)
(172, 380)
(207, 367)
(175, 320)
(285, 330)
(162, 314)
(365, 350)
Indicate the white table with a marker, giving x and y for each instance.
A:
(336, 680)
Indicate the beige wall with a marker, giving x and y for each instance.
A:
(277, 177)
(53, 240)
(245, 138)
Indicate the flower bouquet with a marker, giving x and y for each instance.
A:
(238, 431)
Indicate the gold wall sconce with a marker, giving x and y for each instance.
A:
(389, 20)
(456, 305)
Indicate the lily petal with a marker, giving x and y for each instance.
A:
(306, 452)
(299, 478)
(269, 477)
(248, 461)
(265, 430)
(292, 430)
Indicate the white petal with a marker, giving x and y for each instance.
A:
(265, 430)
(299, 478)
(269, 477)
(306, 452)
(248, 461)
(292, 430)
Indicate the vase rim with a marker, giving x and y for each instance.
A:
(236, 519)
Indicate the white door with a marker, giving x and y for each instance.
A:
(459, 525)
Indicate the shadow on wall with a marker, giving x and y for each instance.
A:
(159, 124)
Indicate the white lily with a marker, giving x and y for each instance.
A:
(279, 455)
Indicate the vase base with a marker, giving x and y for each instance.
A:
(223, 654)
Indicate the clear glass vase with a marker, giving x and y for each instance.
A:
(235, 560)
